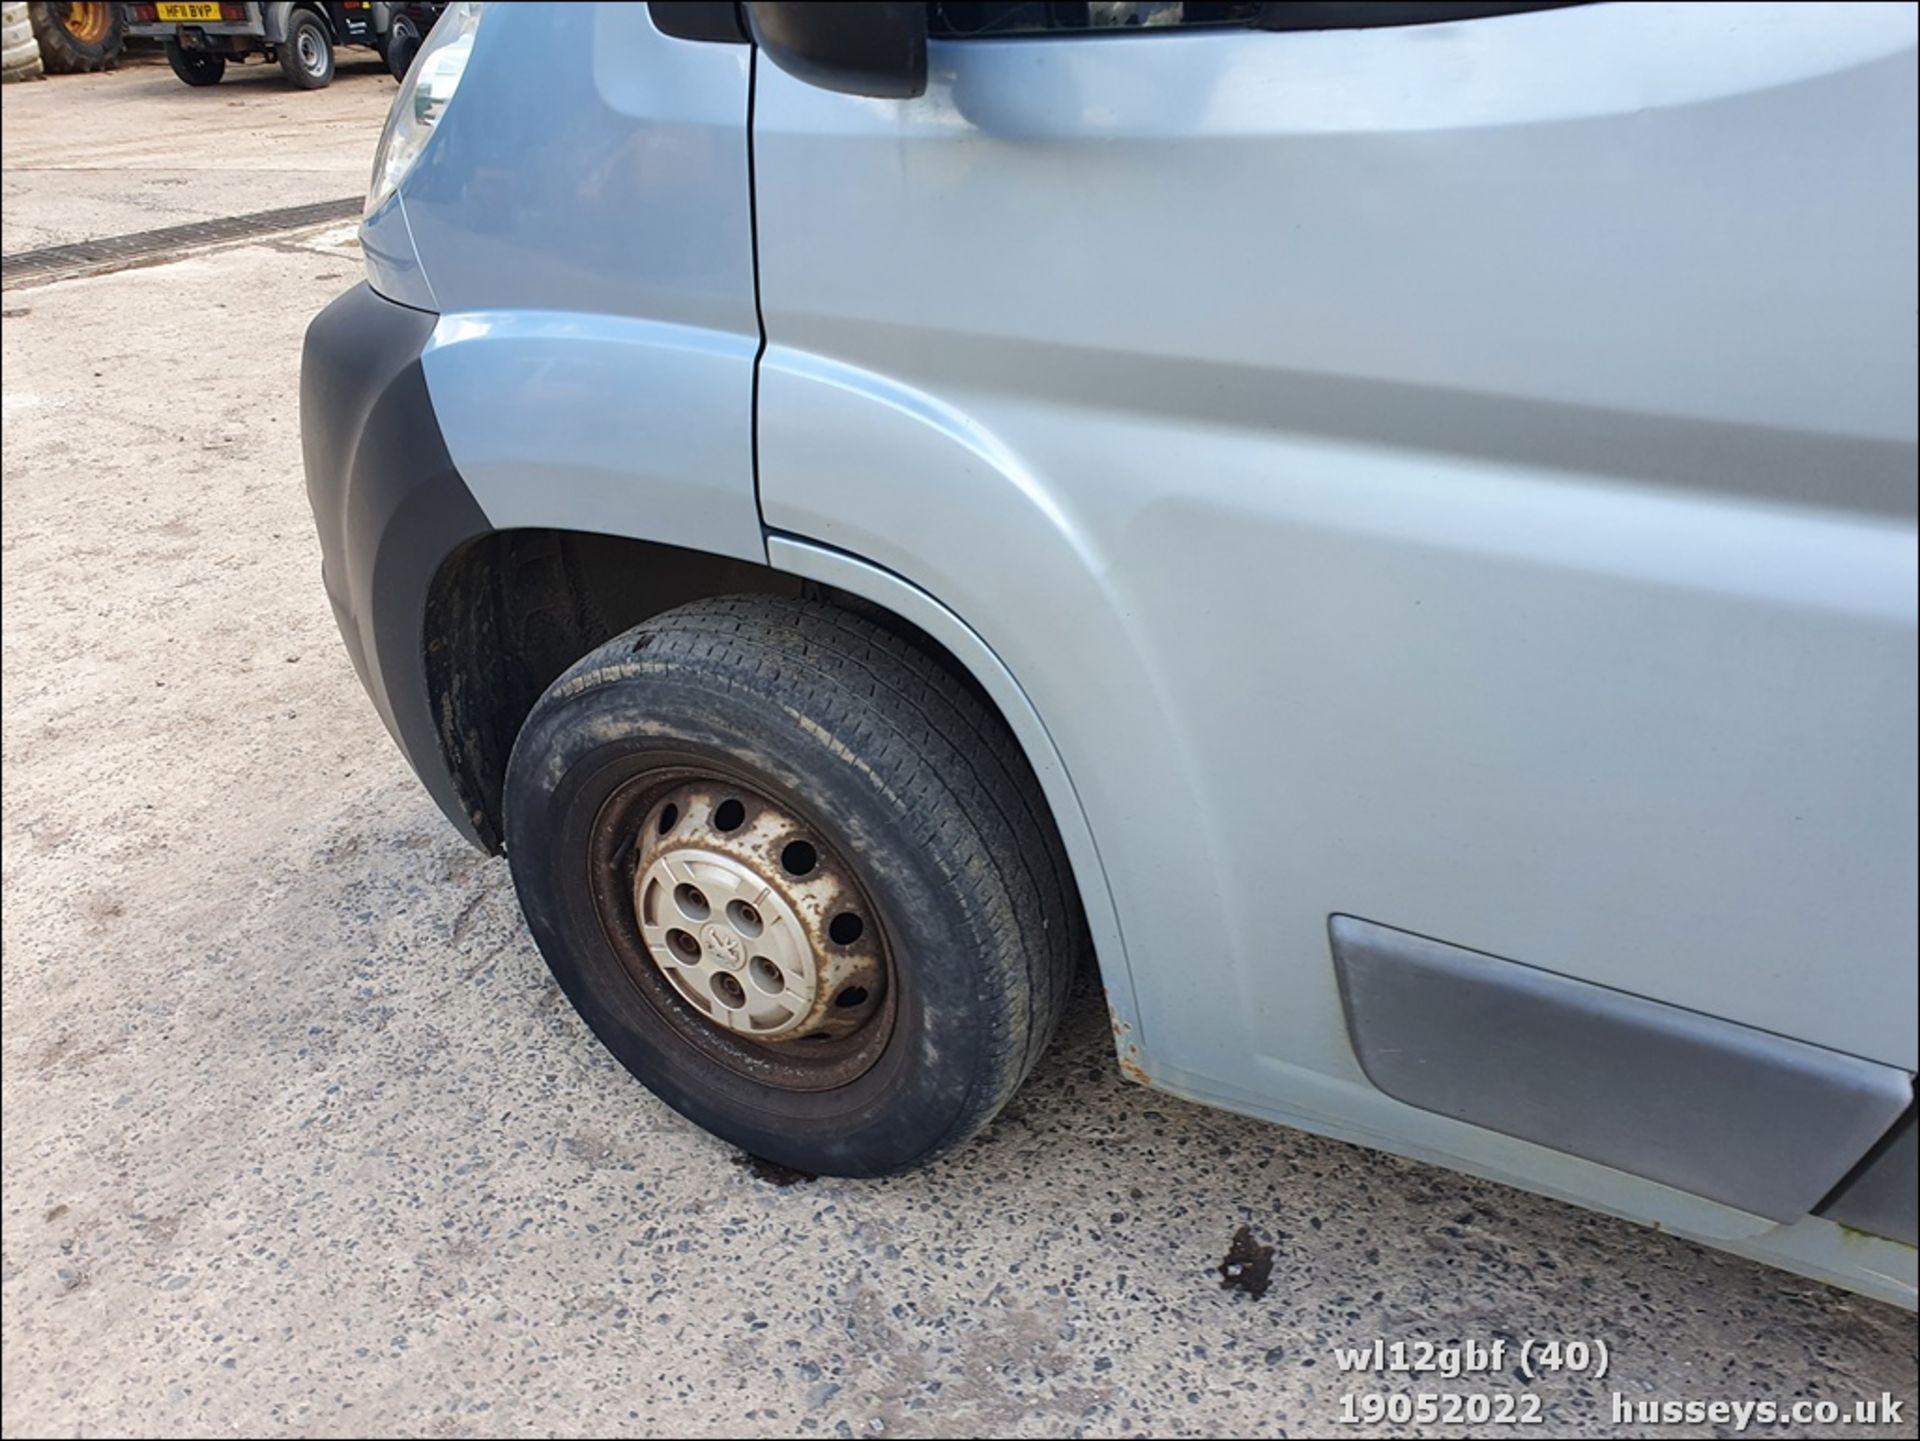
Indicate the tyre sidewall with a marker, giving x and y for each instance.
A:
(403, 41)
(65, 53)
(195, 67)
(598, 730)
(290, 52)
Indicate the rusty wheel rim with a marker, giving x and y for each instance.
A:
(743, 926)
(86, 22)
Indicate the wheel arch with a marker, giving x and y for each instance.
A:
(508, 610)
(947, 635)
(278, 18)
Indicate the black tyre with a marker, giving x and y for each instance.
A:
(75, 39)
(403, 40)
(196, 67)
(797, 878)
(306, 56)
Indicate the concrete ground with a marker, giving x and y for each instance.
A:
(300, 1138)
(133, 149)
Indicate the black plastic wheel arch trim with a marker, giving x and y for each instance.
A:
(390, 507)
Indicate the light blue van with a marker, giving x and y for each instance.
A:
(1387, 528)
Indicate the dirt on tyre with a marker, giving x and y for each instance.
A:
(78, 38)
(195, 67)
(306, 55)
(797, 878)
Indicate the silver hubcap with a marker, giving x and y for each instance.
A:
(309, 47)
(755, 923)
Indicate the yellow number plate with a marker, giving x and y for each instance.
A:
(190, 12)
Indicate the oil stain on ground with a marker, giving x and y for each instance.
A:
(1248, 1267)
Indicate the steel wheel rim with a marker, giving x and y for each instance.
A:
(86, 21)
(807, 1033)
(307, 47)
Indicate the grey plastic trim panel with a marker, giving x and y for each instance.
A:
(1737, 1115)
(389, 507)
(1883, 1196)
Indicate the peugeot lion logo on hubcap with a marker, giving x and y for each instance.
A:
(724, 947)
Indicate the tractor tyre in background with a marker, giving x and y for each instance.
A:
(78, 38)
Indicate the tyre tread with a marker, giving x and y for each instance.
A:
(946, 760)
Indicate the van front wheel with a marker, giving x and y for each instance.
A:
(797, 878)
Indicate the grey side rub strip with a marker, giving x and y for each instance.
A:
(1738, 1115)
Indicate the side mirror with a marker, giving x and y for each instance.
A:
(867, 47)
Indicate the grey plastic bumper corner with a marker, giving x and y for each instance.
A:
(390, 508)
(1741, 1116)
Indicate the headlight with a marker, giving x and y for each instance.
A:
(424, 95)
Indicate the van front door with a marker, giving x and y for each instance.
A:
(1456, 475)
